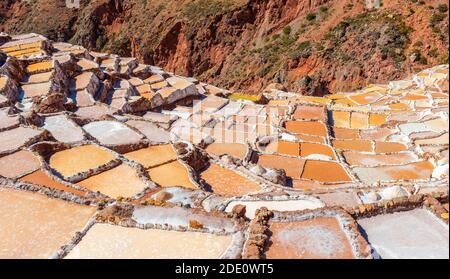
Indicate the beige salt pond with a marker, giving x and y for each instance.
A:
(15, 138)
(372, 160)
(35, 226)
(121, 181)
(79, 159)
(318, 238)
(412, 171)
(18, 163)
(104, 241)
(227, 183)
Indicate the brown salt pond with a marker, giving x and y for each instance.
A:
(79, 159)
(307, 127)
(292, 166)
(171, 174)
(153, 155)
(372, 160)
(41, 178)
(318, 238)
(324, 171)
(15, 138)
(227, 183)
(234, 149)
(121, 181)
(18, 163)
(104, 241)
(35, 226)
(413, 171)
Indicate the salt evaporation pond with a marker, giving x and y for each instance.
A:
(104, 241)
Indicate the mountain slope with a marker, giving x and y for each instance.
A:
(314, 47)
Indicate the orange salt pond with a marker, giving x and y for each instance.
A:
(79, 159)
(310, 112)
(307, 127)
(357, 145)
(284, 147)
(41, 178)
(324, 171)
(389, 147)
(307, 149)
(153, 155)
(227, 183)
(121, 181)
(292, 166)
(104, 241)
(344, 133)
(171, 174)
(234, 149)
(35, 226)
(310, 138)
(341, 119)
(18, 163)
(377, 119)
(318, 238)
(359, 120)
(413, 171)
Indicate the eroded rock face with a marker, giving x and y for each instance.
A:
(49, 104)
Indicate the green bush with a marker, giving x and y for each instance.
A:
(311, 16)
(287, 30)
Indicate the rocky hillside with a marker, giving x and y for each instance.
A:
(310, 46)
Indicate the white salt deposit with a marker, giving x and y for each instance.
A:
(407, 235)
(62, 129)
(112, 132)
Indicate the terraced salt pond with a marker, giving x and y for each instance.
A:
(227, 183)
(171, 174)
(79, 159)
(63, 129)
(318, 238)
(180, 217)
(234, 149)
(162, 166)
(35, 226)
(18, 163)
(278, 205)
(112, 132)
(121, 181)
(15, 138)
(409, 235)
(104, 241)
